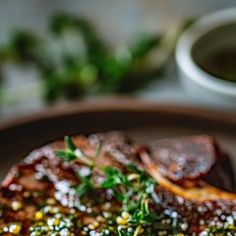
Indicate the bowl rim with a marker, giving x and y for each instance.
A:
(185, 59)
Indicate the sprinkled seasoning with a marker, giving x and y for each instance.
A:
(13, 228)
(124, 202)
(16, 205)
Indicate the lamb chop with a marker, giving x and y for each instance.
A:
(105, 184)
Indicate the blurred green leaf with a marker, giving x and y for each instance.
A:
(143, 44)
(84, 64)
(22, 47)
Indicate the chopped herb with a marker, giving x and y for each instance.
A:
(69, 153)
(85, 185)
(114, 177)
(124, 232)
(72, 152)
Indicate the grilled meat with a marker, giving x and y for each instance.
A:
(107, 185)
(193, 158)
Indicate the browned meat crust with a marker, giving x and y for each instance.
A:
(193, 158)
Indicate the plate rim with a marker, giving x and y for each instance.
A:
(121, 104)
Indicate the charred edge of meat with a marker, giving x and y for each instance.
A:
(193, 158)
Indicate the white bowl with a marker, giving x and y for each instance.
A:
(215, 30)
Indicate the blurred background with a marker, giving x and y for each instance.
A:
(58, 51)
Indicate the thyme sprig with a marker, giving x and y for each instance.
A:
(72, 152)
(132, 187)
(134, 191)
(85, 185)
(69, 153)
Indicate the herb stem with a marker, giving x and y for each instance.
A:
(138, 230)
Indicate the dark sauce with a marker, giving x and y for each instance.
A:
(215, 52)
(220, 63)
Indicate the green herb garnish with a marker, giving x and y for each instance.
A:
(72, 153)
(85, 185)
(131, 187)
(69, 153)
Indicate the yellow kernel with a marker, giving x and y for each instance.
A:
(38, 215)
(121, 221)
(16, 205)
(56, 222)
(14, 229)
(96, 224)
(125, 215)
